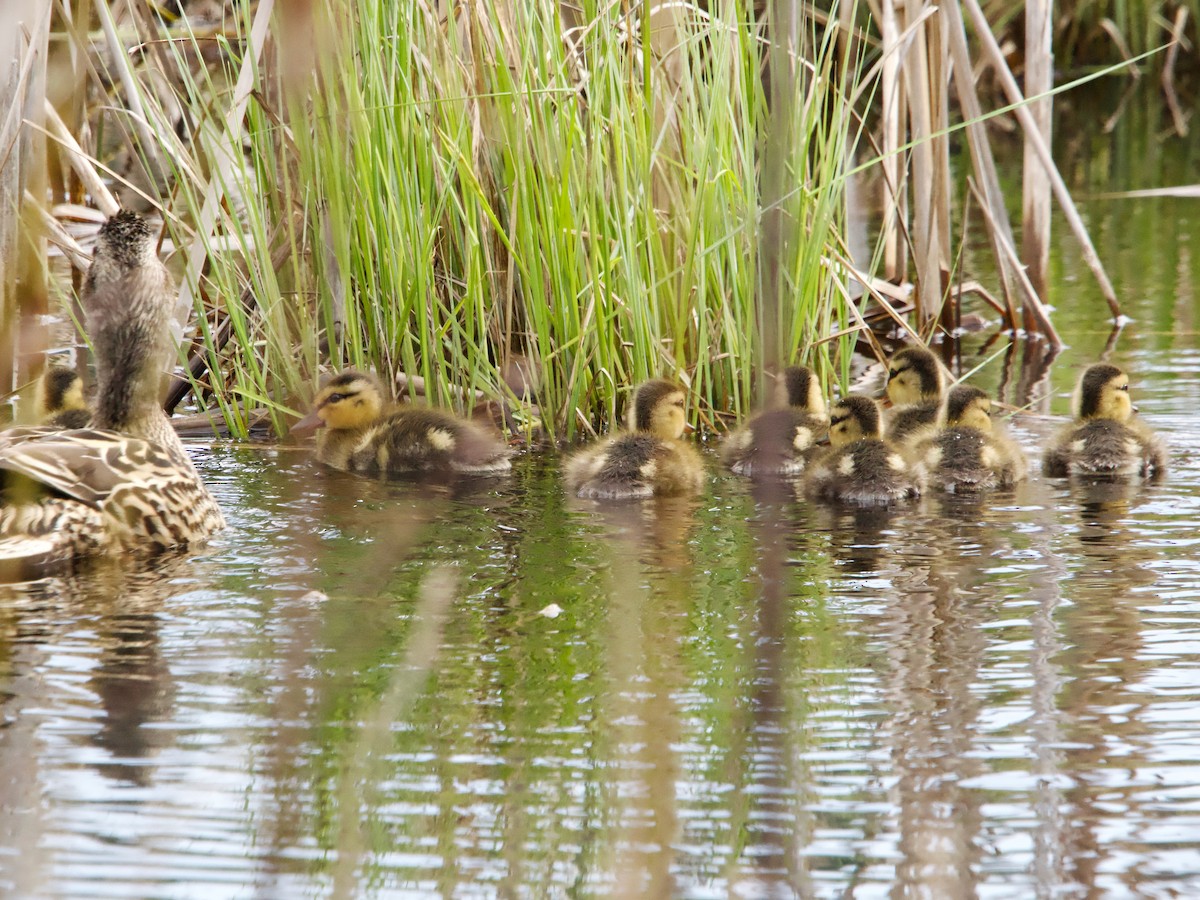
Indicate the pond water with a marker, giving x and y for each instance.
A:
(362, 689)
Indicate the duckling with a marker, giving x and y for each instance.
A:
(861, 468)
(968, 453)
(916, 387)
(127, 482)
(358, 435)
(781, 441)
(1106, 438)
(649, 459)
(60, 400)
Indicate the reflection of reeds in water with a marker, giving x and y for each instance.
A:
(107, 614)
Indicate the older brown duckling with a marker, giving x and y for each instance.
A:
(126, 482)
(781, 441)
(968, 453)
(357, 434)
(1106, 437)
(60, 401)
(861, 468)
(916, 387)
(649, 459)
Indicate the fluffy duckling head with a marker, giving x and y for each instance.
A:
(799, 388)
(348, 401)
(853, 418)
(1103, 393)
(59, 390)
(658, 408)
(969, 407)
(914, 376)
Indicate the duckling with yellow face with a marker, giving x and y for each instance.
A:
(60, 401)
(1106, 437)
(356, 434)
(861, 468)
(916, 387)
(969, 453)
(651, 459)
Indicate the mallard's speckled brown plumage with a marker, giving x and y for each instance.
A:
(127, 482)
(969, 453)
(1106, 438)
(861, 468)
(650, 459)
(781, 441)
(357, 435)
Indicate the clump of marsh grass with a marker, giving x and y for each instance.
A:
(535, 202)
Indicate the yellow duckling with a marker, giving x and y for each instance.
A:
(649, 459)
(861, 468)
(916, 387)
(781, 441)
(1106, 437)
(60, 401)
(358, 435)
(126, 482)
(969, 454)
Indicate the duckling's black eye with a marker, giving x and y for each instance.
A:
(336, 398)
(1123, 387)
(837, 420)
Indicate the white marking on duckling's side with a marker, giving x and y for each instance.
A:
(896, 461)
(933, 458)
(1132, 447)
(1077, 446)
(366, 440)
(440, 439)
(382, 456)
(846, 466)
(649, 469)
(989, 457)
(803, 439)
(740, 440)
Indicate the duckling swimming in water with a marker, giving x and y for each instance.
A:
(1106, 437)
(861, 468)
(650, 459)
(781, 441)
(969, 454)
(916, 387)
(60, 401)
(357, 435)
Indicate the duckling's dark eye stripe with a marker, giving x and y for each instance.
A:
(894, 372)
(838, 420)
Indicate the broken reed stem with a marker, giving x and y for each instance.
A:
(996, 57)
(1035, 184)
(982, 161)
(1033, 306)
(895, 261)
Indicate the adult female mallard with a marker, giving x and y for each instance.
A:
(861, 468)
(357, 434)
(781, 441)
(969, 453)
(1106, 437)
(126, 482)
(649, 459)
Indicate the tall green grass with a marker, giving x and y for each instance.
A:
(578, 193)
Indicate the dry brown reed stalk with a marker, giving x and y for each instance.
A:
(24, 44)
(1035, 182)
(991, 50)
